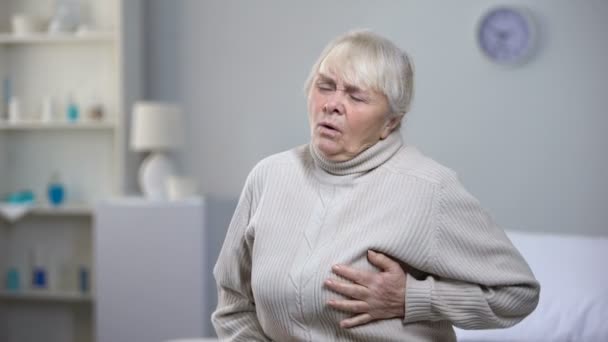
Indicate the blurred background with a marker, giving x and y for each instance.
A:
(527, 139)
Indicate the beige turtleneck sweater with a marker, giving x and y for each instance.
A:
(299, 214)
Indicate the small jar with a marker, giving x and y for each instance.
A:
(96, 112)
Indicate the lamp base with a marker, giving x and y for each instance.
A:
(153, 175)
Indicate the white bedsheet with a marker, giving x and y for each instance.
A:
(573, 272)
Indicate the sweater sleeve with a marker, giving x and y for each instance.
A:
(477, 280)
(235, 317)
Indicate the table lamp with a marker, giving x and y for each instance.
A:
(156, 127)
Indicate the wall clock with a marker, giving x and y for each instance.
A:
(506, 35)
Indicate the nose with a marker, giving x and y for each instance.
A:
(335, 103)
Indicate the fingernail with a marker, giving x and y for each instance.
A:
(336, 267)
(328, 282)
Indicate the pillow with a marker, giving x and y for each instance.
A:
(573, 302)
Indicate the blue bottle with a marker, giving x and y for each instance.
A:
(39, 280)
(83, 279)
(72, 111)
(39, 272)
(56, 191)
(13, 281)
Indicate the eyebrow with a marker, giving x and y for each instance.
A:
(348, 87)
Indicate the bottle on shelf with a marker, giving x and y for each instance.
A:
(83, 279)
(6, 96)
(56, 191)
(47, 109)
(95, 110)
(66, 276)
(39, 271)
(66, 17)
(13, 279)
(72, 110)
(14, 110)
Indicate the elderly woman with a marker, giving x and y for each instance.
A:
(358, 236)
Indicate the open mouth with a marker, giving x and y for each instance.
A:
(329, 126)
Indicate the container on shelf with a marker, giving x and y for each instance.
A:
(14, 110)
(39, 271)
(13, 279)
(72, 110)
(56, 191)
(24, 24)
(47, 110)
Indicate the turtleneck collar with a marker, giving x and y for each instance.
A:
(367, 160)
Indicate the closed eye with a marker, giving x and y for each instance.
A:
(324, 86)
(359, 98)
(355, 98)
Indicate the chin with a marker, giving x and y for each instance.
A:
(327, 148)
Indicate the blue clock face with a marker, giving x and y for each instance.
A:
(505, 35)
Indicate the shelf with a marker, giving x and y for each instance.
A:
(70, 210)
(37, 125)
(44, 295)
(45, 38)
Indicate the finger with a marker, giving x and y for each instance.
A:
(382, 261)
(353, 306)
(354, 275)
(347, 290)
(355, 321)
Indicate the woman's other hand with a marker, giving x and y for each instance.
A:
(373, 295)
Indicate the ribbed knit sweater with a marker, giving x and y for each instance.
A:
(299, 214)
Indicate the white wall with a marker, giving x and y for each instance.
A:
(132, 25)
(527, 141)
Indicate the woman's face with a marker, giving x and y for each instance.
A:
(344, 119)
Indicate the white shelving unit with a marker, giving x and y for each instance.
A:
(89, 37)
(36, 125)
(61, 297)
(72, 210)
(88, 154)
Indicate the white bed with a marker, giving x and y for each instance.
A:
(573, 272)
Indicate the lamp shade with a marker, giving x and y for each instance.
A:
(155, 126)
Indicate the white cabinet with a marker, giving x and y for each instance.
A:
(88, 153)
(154, 265)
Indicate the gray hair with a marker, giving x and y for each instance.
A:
(365, 59)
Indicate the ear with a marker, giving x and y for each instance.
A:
(390, 126)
